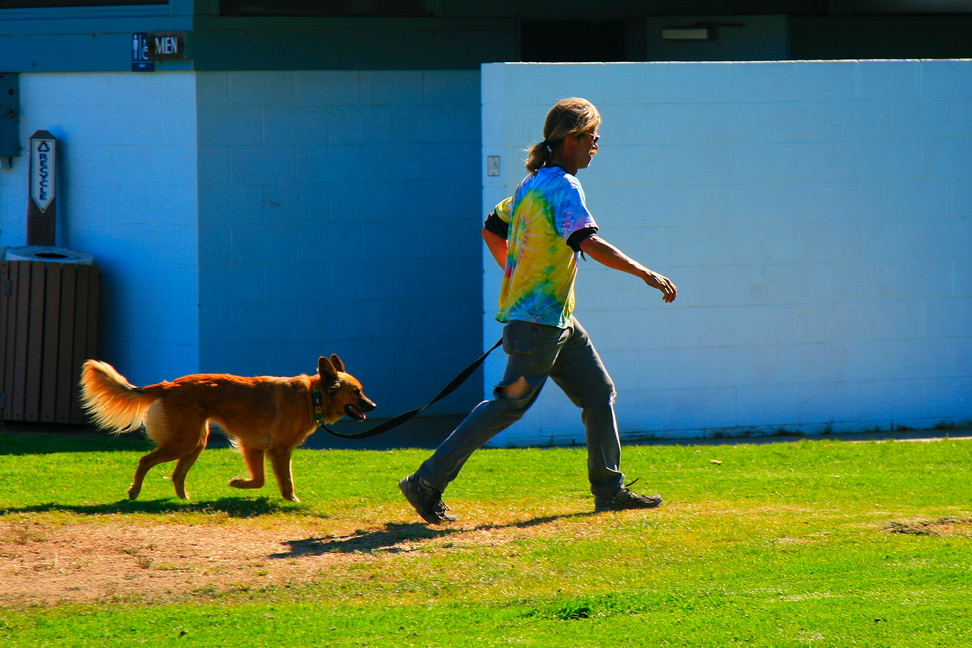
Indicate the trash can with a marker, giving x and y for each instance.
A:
(48, 328)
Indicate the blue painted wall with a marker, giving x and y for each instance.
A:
(339, 212)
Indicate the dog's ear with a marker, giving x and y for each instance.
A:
(327, 373)
(336, 361)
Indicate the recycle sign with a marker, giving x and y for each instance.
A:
(42, 165)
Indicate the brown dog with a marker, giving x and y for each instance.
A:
(262, 415)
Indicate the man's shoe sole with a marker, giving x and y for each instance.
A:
(604, 508)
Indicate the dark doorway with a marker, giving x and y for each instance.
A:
(572, 41)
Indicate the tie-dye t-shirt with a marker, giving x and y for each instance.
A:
(538, 285)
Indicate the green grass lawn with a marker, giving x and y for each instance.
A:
(810, 543)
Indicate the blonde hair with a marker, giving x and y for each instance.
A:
(568, 118)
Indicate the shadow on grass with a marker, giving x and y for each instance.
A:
(22, 442)
(393, 534)
(236, 507)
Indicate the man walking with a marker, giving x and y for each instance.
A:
(536, 237)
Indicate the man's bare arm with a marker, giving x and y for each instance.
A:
(610, 256)
(497, 247)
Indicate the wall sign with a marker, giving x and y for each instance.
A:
(41, 208)
(140, 58)
(164, 46)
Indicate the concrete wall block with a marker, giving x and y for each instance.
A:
(390, 87)
(945, 158)
(450, 161)
(652, 166)
(451, 87)
(891, 401)
(702, 163)
(159, 124)
(961, 196)
(945, 78)
(908, 197)
(856, 120)
(961, 117)
(262, 88)
(213, 165)
(961, 356)
(222, 285)
(327, 87)
(252, 166)
(643, 84)
(947, 399)
(877, 159)
(921, 118)
(946, 318)
(700, 82)
(362, 202)
(365, 124)
(637, 124)
(888, 79)
(287, 126)
(581, 80)
(212, 89)
(263, 244)
(796, 121)
(819, 80)
(924, 279)
(169, 361)
(253, 323)
(219, 126)
(960, 277)
(423, 124)
(945, 237)
(768, 81)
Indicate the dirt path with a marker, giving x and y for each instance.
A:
(89, 562)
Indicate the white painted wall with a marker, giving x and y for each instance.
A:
(126, 195)
(814, 215)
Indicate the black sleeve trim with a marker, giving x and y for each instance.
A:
(575, 239)
(497, 226)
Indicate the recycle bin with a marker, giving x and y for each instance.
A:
(48, 328)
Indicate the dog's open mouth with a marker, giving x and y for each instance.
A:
(354, 413)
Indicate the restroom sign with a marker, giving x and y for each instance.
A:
(140, 58)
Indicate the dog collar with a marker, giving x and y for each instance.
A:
(318, 401)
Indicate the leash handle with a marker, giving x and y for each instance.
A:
(401, 418)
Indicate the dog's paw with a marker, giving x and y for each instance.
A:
(239, 482)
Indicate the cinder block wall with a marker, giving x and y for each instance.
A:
(339, 212)
(127, 195)
(814, 215)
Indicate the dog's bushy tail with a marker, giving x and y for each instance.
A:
(110, 400)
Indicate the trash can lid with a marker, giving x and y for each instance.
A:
(48, 254)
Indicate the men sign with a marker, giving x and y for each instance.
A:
(166, 45)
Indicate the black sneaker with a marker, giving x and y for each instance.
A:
(426, 500)
(623, 499)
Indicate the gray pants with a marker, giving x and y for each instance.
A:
(535, 352)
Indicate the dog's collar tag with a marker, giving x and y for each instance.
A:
(318, 401)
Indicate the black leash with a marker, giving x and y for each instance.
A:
(401, 418)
